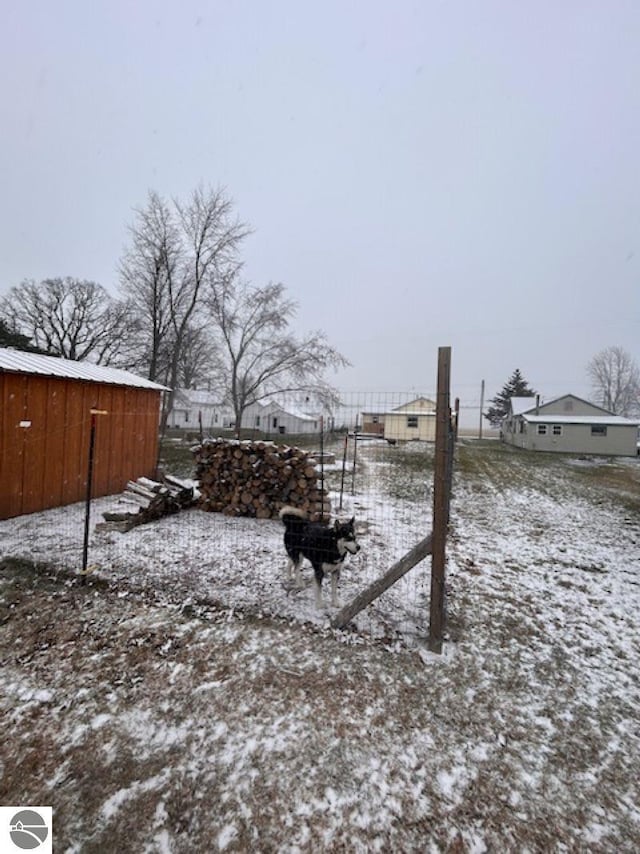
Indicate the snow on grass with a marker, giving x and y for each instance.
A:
(211, 728)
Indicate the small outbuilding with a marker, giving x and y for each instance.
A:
(280, 418)
(46, 408)
(413, 420)
(570, 425)
(373, 423)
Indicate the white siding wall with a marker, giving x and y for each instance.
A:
(397, 426)
(619, 440)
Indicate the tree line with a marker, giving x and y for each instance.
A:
(185, 315)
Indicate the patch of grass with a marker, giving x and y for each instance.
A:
(176, 457)
(487, 466)
(408, 471)
(616, 480)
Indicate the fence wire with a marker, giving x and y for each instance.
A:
(377, 466)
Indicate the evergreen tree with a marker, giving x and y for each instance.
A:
(516, 386)
(15, 340)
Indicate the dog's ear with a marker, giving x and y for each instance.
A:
(336, 524)
(352, 521)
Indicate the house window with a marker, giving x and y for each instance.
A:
(542, 429)
(275, 422)
(374, 419)
(598, 430)
(556, 429)
(257, 420)
(412, 420)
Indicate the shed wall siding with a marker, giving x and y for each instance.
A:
(45, 465)
(577, 439)
(621, 440)
(395, 427)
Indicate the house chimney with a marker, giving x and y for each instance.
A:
(537, 404)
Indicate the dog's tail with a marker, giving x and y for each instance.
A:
(293, 517)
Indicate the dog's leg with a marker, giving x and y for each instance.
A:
(295, 572)
(288, 572)
(319, 575)
(335, 577)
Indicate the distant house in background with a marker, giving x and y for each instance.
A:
(45, 425)
(569, 424)
(273, 417)
(191, 404)
(413, 420)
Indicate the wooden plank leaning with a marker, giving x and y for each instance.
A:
(417, 553)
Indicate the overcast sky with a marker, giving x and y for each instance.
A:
(417, 174)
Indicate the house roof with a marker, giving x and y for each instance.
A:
(522, 404)
(421, 413)
(529, 408)
(407, 407)
(19, 362)
(614, 420)
(198, 397)
(275, 406)
(301, 416)
(580, 400)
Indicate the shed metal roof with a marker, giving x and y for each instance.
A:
(421, 413)
(19, 362)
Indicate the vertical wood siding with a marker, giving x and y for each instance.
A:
(45, 465)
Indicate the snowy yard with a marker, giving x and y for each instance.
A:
(182, 701)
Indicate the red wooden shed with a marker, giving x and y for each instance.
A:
(45, 422)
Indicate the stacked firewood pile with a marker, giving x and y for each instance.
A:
(257, 479)
(146, 500)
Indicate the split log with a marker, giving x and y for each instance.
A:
(257, 479)
(153, 501)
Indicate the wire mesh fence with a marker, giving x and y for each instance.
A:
(374, 460)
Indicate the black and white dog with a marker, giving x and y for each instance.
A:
(324, 547)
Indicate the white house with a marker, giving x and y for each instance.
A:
(273, 417)
(191, 405)
(569, 424)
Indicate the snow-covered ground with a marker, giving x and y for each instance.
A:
(154, 719)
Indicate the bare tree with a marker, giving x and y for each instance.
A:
(146, 271)
(199, 357)
(260, 355)
(615, 379)
(69, 317)
(177, 249)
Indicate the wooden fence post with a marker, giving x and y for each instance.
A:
(441, 476)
